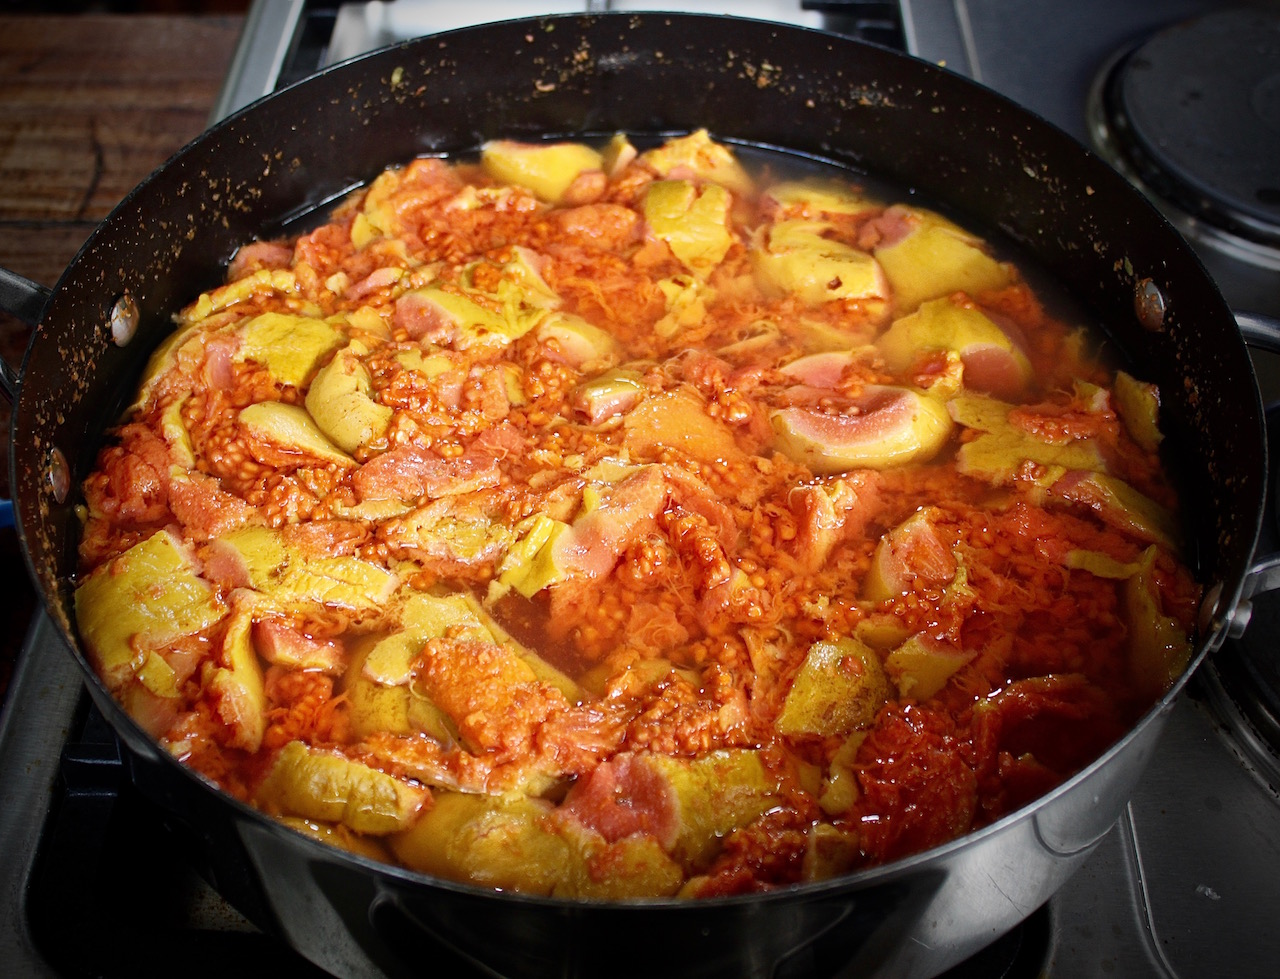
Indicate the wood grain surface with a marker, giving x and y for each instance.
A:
(89, 105)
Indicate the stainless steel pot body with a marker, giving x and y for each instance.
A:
(915, 918)
(997, 167)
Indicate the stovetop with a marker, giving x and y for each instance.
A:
(91, 878)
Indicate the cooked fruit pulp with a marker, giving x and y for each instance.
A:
(605, 522)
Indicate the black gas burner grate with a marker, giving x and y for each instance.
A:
(867, 20)
(113, 891)
(309, 50)
(875, 21)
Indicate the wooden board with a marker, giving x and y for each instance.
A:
(89, 106)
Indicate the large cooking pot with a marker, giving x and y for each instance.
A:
(1000, 169)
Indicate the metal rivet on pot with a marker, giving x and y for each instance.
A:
(1209, 609)
(1149, 304)
(57, 475)
(124, 320)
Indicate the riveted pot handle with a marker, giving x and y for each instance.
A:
(26, 300)
(1259, 330)
(1263, 575)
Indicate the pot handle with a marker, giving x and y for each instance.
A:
(26, 300)
(1263, 575)
(1259, 330)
